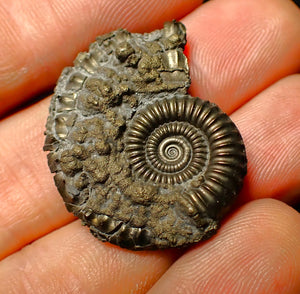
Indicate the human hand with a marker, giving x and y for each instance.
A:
(242, 55)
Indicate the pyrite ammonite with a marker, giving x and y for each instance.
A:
(136, 158)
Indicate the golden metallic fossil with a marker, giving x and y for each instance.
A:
(141, 162)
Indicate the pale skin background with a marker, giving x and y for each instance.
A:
(243, 55)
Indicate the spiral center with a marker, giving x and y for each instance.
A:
(174, 152)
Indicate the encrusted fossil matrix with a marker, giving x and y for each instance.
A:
(141, 162)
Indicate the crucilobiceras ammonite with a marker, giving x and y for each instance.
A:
(135, 157)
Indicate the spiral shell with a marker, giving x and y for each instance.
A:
(141, 162)
(174, 140)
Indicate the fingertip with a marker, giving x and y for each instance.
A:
(248, 47)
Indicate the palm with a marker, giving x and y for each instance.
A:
(242, 56)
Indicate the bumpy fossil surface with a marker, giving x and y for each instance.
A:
(136, 158)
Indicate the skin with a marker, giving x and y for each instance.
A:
(244, 56)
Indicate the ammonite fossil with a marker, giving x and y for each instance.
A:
(141, 162)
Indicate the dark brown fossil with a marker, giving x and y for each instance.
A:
(141, 162)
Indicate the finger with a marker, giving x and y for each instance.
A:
(256, 251)
(238, 48)
(71, 260)
(39, 38)
(270, 126)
